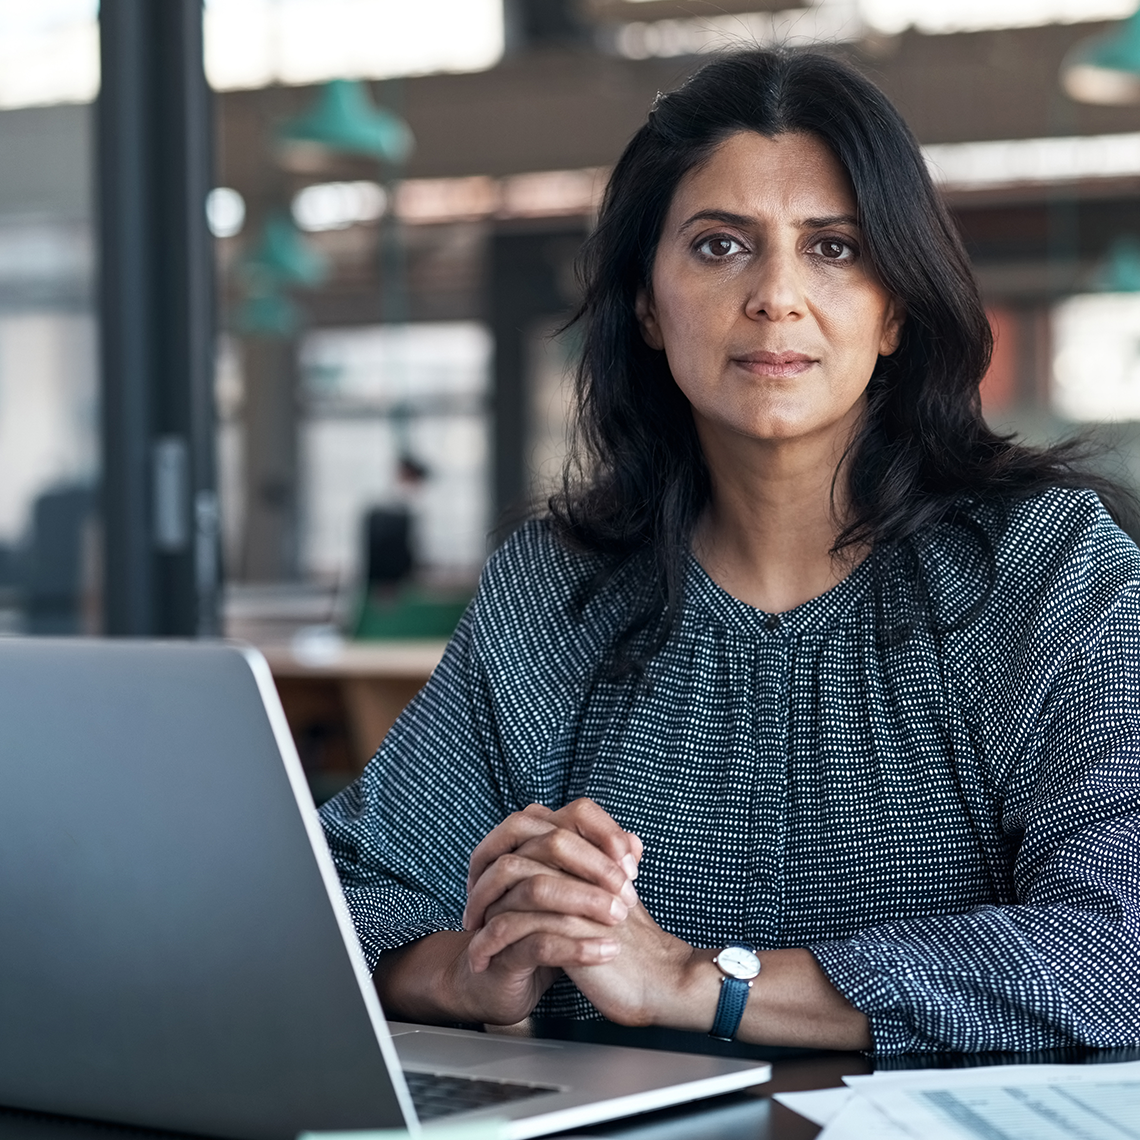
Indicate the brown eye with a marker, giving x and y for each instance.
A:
(719, 247)
(832, 249)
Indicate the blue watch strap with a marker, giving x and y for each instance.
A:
(730, 1008)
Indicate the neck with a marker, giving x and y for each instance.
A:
(767, 534)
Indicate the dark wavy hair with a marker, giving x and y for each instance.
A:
(636, 480)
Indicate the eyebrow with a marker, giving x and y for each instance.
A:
(743, 220)
(830, 220)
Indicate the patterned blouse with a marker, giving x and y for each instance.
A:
(934, 788)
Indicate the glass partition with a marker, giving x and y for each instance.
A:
(49, 466)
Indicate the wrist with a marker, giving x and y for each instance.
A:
(421, 981)
(689, 1000)
(457, 988)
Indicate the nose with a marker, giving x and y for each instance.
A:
(776, 286)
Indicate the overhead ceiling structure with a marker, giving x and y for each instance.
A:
(557, 108)
(509, 165)
(564, 111)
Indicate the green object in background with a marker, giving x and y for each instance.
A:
(282, 257)
(345, 120)
(268, 314)
(409, 614)
(1105, 69)
(1120, 271)
(1117, 51)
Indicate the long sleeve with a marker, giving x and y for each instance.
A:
(1061, 964)
(948, 821)
(487, 735)
(401, 835)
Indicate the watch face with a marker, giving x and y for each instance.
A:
(738, 962)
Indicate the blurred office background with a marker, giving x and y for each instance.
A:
(387, 196)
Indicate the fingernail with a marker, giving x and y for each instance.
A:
(628, 894)
(629, 866)
(608, 950)
(618, 910)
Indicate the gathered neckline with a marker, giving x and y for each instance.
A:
(816, 613)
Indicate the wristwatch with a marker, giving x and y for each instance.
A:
(739, 965)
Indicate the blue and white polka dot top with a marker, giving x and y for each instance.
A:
(947, 816)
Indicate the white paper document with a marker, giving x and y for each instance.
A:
(1008, 1102)
(1109, 1111)
(820, 1106)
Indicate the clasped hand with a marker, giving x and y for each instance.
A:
(551, 890)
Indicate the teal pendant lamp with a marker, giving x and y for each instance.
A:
(271, 314)
(344, 120)
(1120, 270)
(282, 255)
(280, 259)
(1105, 69)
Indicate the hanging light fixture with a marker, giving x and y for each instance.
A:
(1119, 272)
(280, 259)
(1105, 69)
(344, 120)
(283, 255)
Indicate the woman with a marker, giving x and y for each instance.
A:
(833, 672)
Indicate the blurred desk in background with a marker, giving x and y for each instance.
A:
(340, 698)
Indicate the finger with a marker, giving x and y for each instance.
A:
(638, 849)
(506, 872)
(545, 949)
(554, 888)
(591, 821)
(515, 830)
(583, 816)
(567, 851)
(559, 894)
(506, 929)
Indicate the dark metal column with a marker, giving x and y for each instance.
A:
(531, 277)
(160, 513)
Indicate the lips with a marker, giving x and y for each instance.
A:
(775, 364)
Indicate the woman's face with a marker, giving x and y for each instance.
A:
(769, 314)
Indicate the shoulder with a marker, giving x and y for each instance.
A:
(533, 563)
(1055, 558)
(533, 576)
(540, 602)
(1064, 538)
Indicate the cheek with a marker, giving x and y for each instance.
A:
(859, 324)
(679, 334)
(692, 321)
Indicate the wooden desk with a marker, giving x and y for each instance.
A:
(363, 686)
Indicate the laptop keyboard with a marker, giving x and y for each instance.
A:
(437, 1094)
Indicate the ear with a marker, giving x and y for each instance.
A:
(647, 319)
(892, 327)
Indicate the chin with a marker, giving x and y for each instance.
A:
(777, 426)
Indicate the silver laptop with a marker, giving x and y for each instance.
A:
(175, 950)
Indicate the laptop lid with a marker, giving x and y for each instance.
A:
(140, 986)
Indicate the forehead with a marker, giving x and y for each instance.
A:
(795, 175)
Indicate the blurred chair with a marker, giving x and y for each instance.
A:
(392, 606)
(387, 546)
